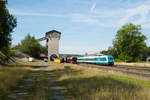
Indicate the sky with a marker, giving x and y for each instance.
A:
(87, 26)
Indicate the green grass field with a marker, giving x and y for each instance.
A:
(9, 79)
(81, 83)
(13, 79)
(76, 83)
(144, 64)
(39, 87)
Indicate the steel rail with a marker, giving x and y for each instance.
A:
(143, 74)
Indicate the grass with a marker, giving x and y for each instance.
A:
(76, 82)
(145, 64)
(81, 83)
(9, 78)
(36, 62)
(40, 87)
(13, 77)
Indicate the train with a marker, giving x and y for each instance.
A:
(102, 60)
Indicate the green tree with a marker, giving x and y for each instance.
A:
(44, 50)
(129, 43)
(7, 24)
(148, 51)
(30, 46)
(110, 51)
(86, 54)
(105, 52)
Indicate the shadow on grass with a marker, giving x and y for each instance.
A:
(32, 66)
(35, 87)
(60, 72)
(97, 87)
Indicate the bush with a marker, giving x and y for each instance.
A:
(13, 53)
(30, 46)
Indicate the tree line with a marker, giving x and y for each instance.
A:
(129, 44)
(7, 23)
(32, 47)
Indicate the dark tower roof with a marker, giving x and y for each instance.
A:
(52, 31)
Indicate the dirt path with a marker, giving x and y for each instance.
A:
(23, 90)
(56, 92)
(40, 85)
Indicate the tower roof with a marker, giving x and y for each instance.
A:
(52, 31)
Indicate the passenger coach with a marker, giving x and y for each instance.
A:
(104, 60)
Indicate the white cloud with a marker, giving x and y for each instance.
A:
(84, 18)
(104, 18)
(93, 7)
(101, 17)
(79, 49)
(142, 11)
(95, 18)
(12, 11)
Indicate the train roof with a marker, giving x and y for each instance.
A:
(96, 56)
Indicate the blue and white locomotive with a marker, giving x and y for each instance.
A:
(102, 59)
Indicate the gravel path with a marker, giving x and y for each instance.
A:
(56, 92)
(22, 93)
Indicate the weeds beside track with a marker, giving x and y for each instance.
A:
(135, 71)
(82, 83)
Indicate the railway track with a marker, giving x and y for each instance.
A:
(123, 69)
(133, 67)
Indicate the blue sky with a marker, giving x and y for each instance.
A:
(86, 25)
